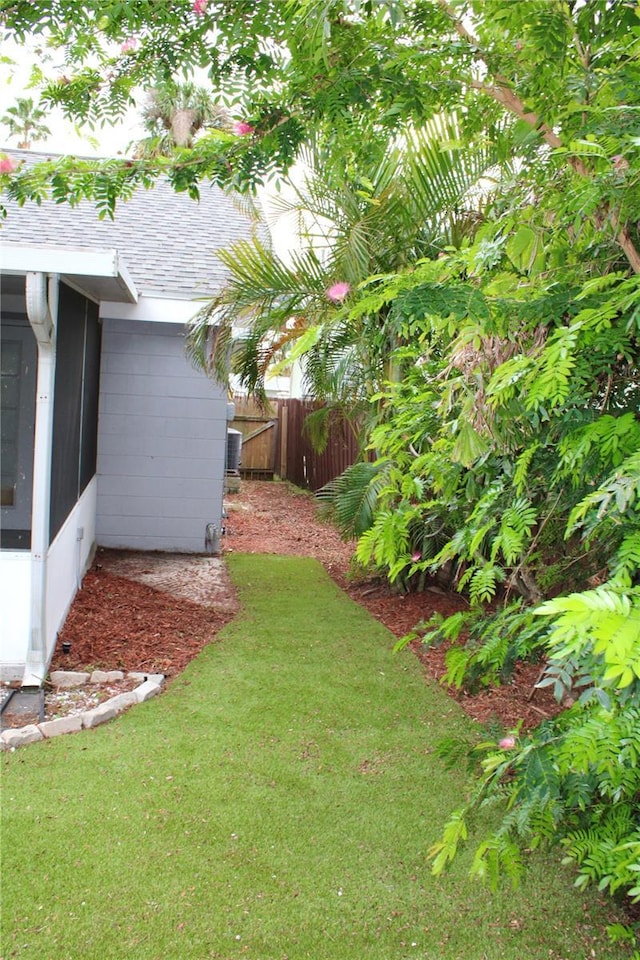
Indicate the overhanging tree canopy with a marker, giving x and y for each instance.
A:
(564, 70)
(511, 450)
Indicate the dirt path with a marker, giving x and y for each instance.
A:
(155, 612)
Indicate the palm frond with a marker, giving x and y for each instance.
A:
(352, 497)
(415, 196)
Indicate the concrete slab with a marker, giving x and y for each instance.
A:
(201, 579)
(26, 706)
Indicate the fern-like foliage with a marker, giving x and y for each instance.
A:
(601, 628)
(576, 781)
(484, 649)
(615, 499)
(608, 853)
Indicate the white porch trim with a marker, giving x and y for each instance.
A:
(154, 309)
(100, 273)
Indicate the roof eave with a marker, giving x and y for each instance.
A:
(102, 274)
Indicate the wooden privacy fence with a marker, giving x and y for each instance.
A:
(274, 443)
(300, 463)
(260, 437)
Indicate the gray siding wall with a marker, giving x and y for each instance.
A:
(161, 441)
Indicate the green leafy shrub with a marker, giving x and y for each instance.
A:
(529, 469)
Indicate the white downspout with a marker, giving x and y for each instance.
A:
(42, 311)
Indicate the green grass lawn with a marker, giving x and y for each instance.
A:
(276, 803)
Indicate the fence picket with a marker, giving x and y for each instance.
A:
(285, 449)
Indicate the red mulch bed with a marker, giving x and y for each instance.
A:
(118, 623)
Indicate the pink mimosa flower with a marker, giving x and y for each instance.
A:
(200, 7)
(7, 164)
(130, 44)
(338, 291)
(416, 557)
(507, 743)
(242, 129)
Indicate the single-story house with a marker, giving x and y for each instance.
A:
(110, 436)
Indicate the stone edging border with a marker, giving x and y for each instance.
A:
(150, 685)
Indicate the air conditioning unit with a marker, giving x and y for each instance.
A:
(234, 450)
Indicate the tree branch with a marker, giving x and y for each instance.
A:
(623, 238)
(501, 90)
(503, 94)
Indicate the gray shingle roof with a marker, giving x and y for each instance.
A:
(168, 241)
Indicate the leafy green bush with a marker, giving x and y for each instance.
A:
(511, 456)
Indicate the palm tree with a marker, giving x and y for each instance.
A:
(174, 113)
(25, 121)
(413, 198)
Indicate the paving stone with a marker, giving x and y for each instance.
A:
(106, 676)
(66, 679)
(141, 677)
(150, 685)
(109, 709)
(54, 728)
(17, 738)
(146, 690)
(232, 484)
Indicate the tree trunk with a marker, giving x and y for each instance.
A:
(182, 127)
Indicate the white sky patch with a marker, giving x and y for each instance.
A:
(292, 227)
(66, 137)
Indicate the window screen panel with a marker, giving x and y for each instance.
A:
(67, 412)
